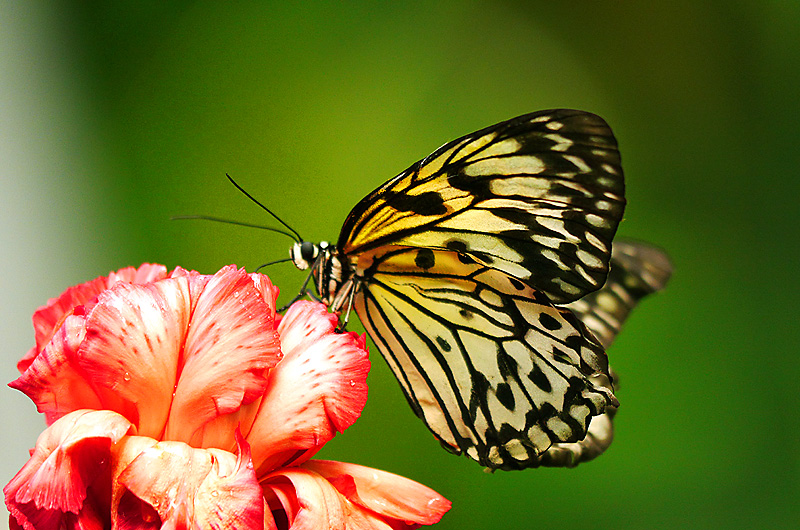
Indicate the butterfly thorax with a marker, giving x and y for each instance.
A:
(328, 270)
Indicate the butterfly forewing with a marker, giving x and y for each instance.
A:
(537, 197)
(493, 368)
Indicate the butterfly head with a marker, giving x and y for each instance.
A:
(325, 265)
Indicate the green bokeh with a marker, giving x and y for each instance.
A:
(312, 106)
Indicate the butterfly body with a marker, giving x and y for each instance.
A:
(460, 269)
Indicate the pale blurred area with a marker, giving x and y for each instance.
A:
(52, 230)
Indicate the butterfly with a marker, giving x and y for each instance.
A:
(481, 273)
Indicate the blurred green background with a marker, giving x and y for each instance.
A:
(116, 116)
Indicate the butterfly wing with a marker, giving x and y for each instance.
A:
(492, 367)
(538, 197)
(637, 270)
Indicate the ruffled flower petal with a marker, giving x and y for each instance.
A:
(317, 389)
(53, 380)
(132, 350)
(384, 493)
(305, 500)
(47, 318)
(231, 346)
(70, 457)
(302, 499)
(190, 488)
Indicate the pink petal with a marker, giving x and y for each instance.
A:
(27, 359)
(126, 510)
(197, 281)
(131, 354)
(384, 493)
(268, 291)
(70, 456)
(193, 488)
(47, 318)
(231, 346)
(307, 501)
(304, 323)
(146, 273)
(318, 388)
(53, 380)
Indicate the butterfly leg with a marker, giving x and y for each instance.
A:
(343, 322)
(301, 294)
(345, 296)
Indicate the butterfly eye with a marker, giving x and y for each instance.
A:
(308, 251)
(303, 254)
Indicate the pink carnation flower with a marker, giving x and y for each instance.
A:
(183, 400)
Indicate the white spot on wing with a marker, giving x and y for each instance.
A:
(589, 259)
(562, 144)
(505, 166)
(494, 456)
(538, 437)
(610, 169)
(516, 450)
(595, 220)
(506, 147)
(559, 428)
(582, 166)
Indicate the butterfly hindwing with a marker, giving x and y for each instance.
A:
(491, 366)
(637, 270)
(538, 197)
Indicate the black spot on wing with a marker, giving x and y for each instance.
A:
(484, 257)
(443, 344)
(505, 395)
(457, 245)
(561, 356)
(425, 259)
(574, 342)
(428, 203)
(540, 379)
(506, 364)
(460, 247)
(518, 285)
(480, 386)
(549, 322)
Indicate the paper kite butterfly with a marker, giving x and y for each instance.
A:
(482, 275)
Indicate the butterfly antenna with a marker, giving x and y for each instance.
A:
(232, 222)
(272, 263)
(292, 230)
